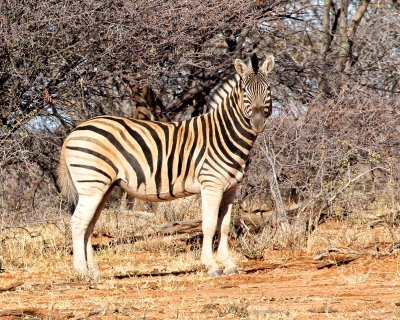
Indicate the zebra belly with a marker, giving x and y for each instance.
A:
(159, 198)
(147, 192)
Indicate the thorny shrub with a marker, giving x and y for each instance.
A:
(339, 158)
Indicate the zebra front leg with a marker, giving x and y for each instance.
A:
(211, 201)
(224, 220)
(84, 213)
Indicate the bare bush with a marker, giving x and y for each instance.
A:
(338, 158)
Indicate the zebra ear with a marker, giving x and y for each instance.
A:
(268, 64)
(240, 67)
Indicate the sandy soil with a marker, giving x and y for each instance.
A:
(143, 286)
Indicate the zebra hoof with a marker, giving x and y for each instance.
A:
(231, 270)
(81, 276)
(93, 274)
(81, 273)
(215, 273)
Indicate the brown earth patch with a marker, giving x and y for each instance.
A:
(285, 286)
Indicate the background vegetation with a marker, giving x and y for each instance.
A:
(332, 145)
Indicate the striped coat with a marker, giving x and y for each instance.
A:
(157, 161)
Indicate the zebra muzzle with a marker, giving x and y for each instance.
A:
(257, 122)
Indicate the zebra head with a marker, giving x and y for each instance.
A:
(257, 103)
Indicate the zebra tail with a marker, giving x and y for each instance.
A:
(66, 184)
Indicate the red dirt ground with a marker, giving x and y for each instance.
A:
(285, 288)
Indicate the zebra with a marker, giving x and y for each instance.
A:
(159, 161)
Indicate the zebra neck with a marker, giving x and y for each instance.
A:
(230, 113)
(228, 128)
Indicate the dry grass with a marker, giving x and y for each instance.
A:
(23, 248)
(37, 246)
(356, 236)
(352, 276)
(181, 209)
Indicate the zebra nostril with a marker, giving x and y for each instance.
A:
(257, 121)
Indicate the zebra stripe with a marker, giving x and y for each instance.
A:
(158, 161)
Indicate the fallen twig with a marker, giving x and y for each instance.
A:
(11, 287)
(35, 312)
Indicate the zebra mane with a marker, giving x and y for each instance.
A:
(218, 93)
(254, 62)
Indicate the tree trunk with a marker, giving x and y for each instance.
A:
(325, 45)
(362, 8)
(344, 46)
(347, 33)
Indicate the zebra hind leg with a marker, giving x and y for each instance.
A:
(84, 213)
(91, 265)
(210, 205)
